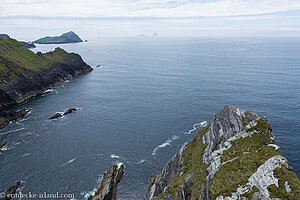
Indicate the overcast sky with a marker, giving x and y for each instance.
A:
(91, 19)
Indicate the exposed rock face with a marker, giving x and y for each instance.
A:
(234, 157)
(24, 74)
(227, 123)
(108, 187)
(7, 117)
(11, 190)
(58, 115)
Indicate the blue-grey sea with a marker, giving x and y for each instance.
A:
(147, 99)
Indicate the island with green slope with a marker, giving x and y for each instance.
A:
(69, 37)
(24, 73)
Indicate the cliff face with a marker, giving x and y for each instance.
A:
(233, 157)
(24, 74)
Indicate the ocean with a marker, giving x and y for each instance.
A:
(149, 96)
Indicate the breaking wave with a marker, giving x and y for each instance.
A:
(168, 142)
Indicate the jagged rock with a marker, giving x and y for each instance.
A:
(6, 117)
(167, 173)
(108, 187)
(184, 190)
(70, 110)
(2, 144)
(11, 190)
(235, 147)
(227, 123)
(58, 115)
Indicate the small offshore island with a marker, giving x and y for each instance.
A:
(69, 37)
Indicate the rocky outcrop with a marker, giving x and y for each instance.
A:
(24, 74)
(108, 187)
(8, 194)
(7, 117)
(68, 111)
(233, 157)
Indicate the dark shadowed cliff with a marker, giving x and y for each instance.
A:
(234, 157)
(24, 74)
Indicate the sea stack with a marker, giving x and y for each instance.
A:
(108, 187)
(233, 157)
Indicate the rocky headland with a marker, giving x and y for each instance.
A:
(108, 187)
(24, 74)
(233, 157)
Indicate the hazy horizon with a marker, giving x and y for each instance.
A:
(32, 19)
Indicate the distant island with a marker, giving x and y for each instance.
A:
(26, 44)
(69, 37)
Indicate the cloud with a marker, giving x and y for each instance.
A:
(143, 8)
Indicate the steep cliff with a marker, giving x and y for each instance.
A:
(233, 157)
(24, 74)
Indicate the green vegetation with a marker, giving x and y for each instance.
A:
(16, 61)
(69, 37)
(251, 152)
(284, 174)
(192, 164)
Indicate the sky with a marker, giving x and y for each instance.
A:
(91, 19)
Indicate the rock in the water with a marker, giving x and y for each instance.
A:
(6, 117)
(108, 187)
(11, 190)
(70, 110)
(2, 144)
(58, 115)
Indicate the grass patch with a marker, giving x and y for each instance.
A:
(192, 164)
(237, 172)
(16, 61)
(283, 174)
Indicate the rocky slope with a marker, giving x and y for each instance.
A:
(108, 187)
(233, 157)
(69, 37)
(24, 74)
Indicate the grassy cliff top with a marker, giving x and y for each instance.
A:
(15, 58)
(69, 37)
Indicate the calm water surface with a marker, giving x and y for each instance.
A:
(148, 97)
